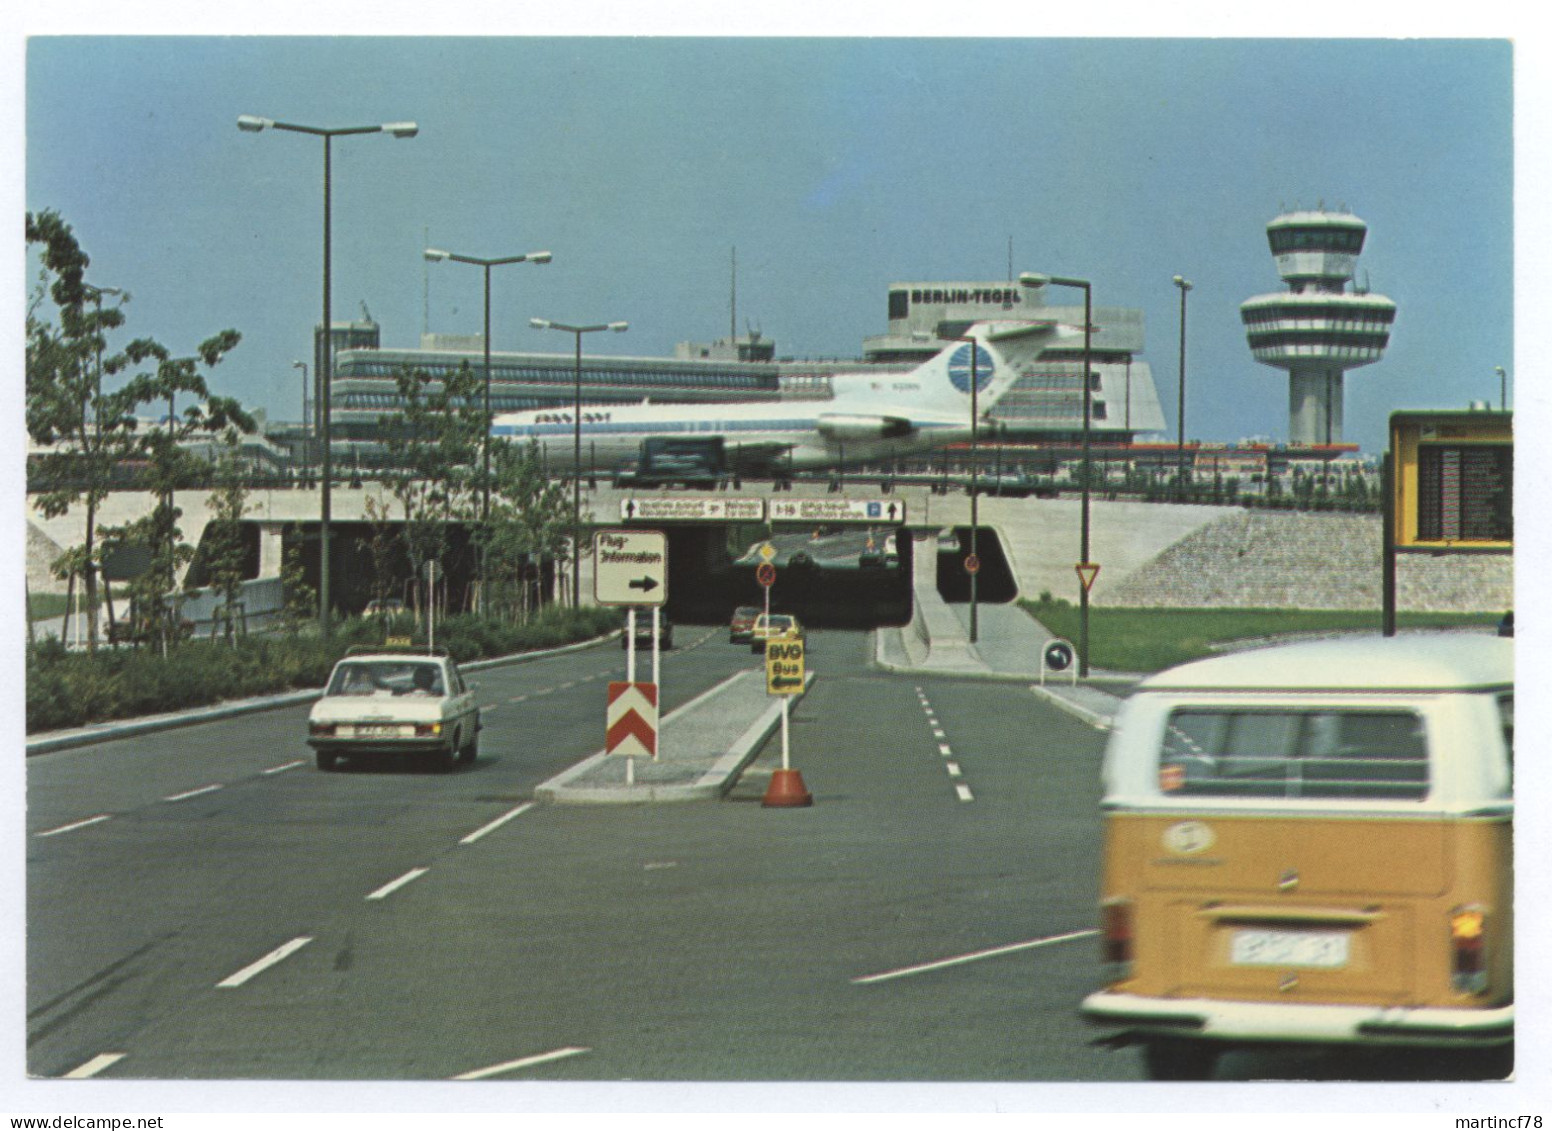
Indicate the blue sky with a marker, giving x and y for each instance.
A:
(835, 167)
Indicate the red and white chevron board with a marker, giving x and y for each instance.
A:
(632, 720)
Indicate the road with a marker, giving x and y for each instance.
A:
(234, 914)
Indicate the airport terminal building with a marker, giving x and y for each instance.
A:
(1045, 406)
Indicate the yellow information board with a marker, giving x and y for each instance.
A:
(1452, 481)
(783, 667)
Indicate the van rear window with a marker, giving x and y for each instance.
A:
(1365, 755)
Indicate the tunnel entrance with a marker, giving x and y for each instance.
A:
(994, 583)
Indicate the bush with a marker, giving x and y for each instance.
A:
(66, 689)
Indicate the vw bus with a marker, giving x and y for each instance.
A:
(1312, 844)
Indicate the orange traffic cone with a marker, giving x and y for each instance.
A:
(787, 791)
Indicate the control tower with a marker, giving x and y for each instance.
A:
(1317, 329)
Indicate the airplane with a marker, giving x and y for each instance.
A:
(871, 416)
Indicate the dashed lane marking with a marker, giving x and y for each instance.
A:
(389, 888)
(964, 793)
(974, 956)
(525, 1062)
(945, 749)
(73, 825)
(100, 1063)
(279, 954)
(286, 766)
(202, 790)
(953, 769)
(497, 823)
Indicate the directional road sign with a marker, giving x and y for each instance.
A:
(692, 508)
(876, 511)
(631, 721)
(783, 667)
(630, 567)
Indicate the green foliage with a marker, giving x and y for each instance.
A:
(69, 689)
(1150, 640)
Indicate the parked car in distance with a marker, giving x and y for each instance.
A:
(1312, 844)
(665, 630)
(741, 627)
(773, 626)
(382, 701)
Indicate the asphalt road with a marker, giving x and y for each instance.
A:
(929, 918)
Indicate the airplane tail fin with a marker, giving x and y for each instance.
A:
(992, 354)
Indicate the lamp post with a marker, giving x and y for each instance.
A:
(253, 124)
(576, 429)
(1503, 389)
(1180, 411)
(436, 255)
(1034, 280)
(975, 491)
(95, 294)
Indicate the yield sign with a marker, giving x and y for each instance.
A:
(632, 720)
(1087, 572)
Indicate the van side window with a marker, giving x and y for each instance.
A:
(1363, 755)
(1506, 717)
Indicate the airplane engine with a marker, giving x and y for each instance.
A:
(853, 427)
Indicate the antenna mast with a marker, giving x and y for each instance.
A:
(733, 301)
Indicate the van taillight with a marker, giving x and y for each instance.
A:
(427, 730)
(1116, 939)
(323, 730)
(1468, 950)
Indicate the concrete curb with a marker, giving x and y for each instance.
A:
(1094, 719)
(710, 786)
(128, 728)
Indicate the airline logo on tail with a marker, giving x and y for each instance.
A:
(971, 361)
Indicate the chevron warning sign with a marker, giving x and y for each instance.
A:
(632, 720)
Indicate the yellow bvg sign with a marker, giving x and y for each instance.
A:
(783, 667)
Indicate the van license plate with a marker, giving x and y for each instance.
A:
(1289, 948)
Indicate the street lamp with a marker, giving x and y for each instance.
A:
(1180, 412)
(437, 255)
(975, 491)
(576, 452)
(251, 124)
(1034, 280)
(1503, 389)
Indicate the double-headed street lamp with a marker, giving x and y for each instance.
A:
(1180, 411)
(436, 255)
(325, 363)
(576, 422)
(1034, 280)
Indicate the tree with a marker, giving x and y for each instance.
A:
(530, 521)
(433, 443)
(91, 432)
(225, 554)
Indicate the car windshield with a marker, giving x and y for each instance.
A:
(386, 677)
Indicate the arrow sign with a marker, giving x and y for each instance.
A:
(645, 584)
(630, 567)
(631, 720)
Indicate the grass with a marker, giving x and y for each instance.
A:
(1149, 640)
(46, 605)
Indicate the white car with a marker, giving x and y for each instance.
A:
(387, 702)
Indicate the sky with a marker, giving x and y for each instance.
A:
(834, 167)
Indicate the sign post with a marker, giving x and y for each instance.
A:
(784, 676)
(630, 569)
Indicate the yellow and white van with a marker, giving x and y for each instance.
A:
(1312, 843)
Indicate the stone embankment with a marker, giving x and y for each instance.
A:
(1284, 559)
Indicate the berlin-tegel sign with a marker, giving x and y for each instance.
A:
(630, 567)
(838, 510)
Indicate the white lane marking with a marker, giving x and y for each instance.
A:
(945, 749)
(974, 956)
(488, 708)
(525, 1062)
(497, 823)
(568, 686)
(279, 954)
(953, 769)
(389, 888)
(517, 699)
(192, 793)
(938, 732)
(95, 1065)
(287, 766)
(77, 825)
(964, 793)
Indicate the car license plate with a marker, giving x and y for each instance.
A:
(1289, 948)
(368, 731)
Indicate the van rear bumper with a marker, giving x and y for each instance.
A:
(1209, 1019)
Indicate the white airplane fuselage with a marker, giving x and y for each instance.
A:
(871, 417)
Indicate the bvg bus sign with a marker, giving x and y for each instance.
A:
(783, 667)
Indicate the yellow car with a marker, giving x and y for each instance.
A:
(773, 626)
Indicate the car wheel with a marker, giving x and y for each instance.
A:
(472, 751)
(327, 761)
(1180, 1060)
